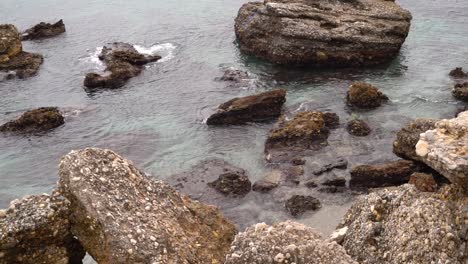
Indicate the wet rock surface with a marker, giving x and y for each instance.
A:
(234, 75)
(339, 163)
(364, 95)
(388, 174)
(120, 215)
(260, 107)
(330, 33)
(36, 230)
(232, 183)
(460, 91)
(423, 182)
(269, 182)
(358, 128)
(285, 242)
(404, 225)
(122, 61)
(445, 148)
(10, 44)
(37, 120)
(405, 144)
(299, 204)
(458, 73)
(44, 30)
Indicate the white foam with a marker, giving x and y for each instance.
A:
(165, 50)
(93, 58)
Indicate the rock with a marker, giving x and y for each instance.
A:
(231, 183)
(322, 33)
(404, 225)
(424, 182)
(269, 182)
(445, 148)
(339, 235)
(10, 43)
(36, 229)
(37, 120)
(44, 30)
(234, 75)
(285, 242)
(388, 174)
(364, 95)
(339, 163)
(332, 120)
(254, 108)
(310, 184)
(122, 61)
(121, 215)
(405, 144)
(458, 73)
(358, 128)
(336, 181)
(299, 204)
(460, 91)
(298, 161)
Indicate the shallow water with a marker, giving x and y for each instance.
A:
(156, 119)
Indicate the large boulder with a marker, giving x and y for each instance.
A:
(285, 242)
(36, 230)
(404, 225)
(10, 43)
(121, 215)
(364, 95)
(122, 61)
(405, 144)
(460, 91)
(388, 174)
(445, 148)
(44, 30)
(37, 120)
(322, 32)
(259, 107)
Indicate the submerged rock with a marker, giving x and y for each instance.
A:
(404, 225)
(299, 204)
(423, 182)
(37, 120)
(460, 91)
(358, 128)
(120, 215)
(285, 242)
(44, 30)
(234, 75)
(405, 144)
(122, 61)
(330, 33)
(36, 229)
(388, 174)
(254, 108)
(269, 182)
(445, 148)
(364, 95)
(232, 183)
(458, 73)
(339, 163)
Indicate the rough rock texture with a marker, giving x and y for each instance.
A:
(404, 225)
(122, 216)
(14, 62)
(44, 30)
(405, 144)
(234, 75)
(323, 32)
(460, 91)
(358, 128)
(364, 95)
(122, 63)
(37, 120)
(332, 120)
(423, 182)
(458, 73)
(299, 204)
(259, 107)
(445, 148)
(232, 183)
(339, 163)
(285, 242)
(36, 230)
(388, 174)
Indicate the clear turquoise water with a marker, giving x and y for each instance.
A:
(156, 119)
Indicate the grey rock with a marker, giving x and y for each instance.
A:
(405, 144)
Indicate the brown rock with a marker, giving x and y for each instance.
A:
(37, 120)
(424, 182)
(254, 108)
(458, 73)
(231, 183)
(44, 30)
(358, 128)
(299, 204)
(388, 174)
(364, 95)
(405, 144)
(10, 43)
(460, 91)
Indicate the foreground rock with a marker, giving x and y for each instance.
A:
(232, 183)
(358, 128)
(299, 204)
(35, 230)
(254, 108)
(122, 61)
(364, 95)
(37, 120)
(122, 216)
(404, 225)
(460, 91)
(286, 242)
(388, 174)
(14, 62)
(44, 30)
(445, 148)
(331, 33)
(405, 144)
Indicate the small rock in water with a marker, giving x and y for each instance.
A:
(234, 75)
(364, 95)
(37, 120)
(405, 144)
(270, 181)
(458, 73)
(358, 128)
(44, 30)
(460, 91)
(388, 174)
(231, 183)
(423, 181)
(340, 163)
(336, 181)
(299, 204)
